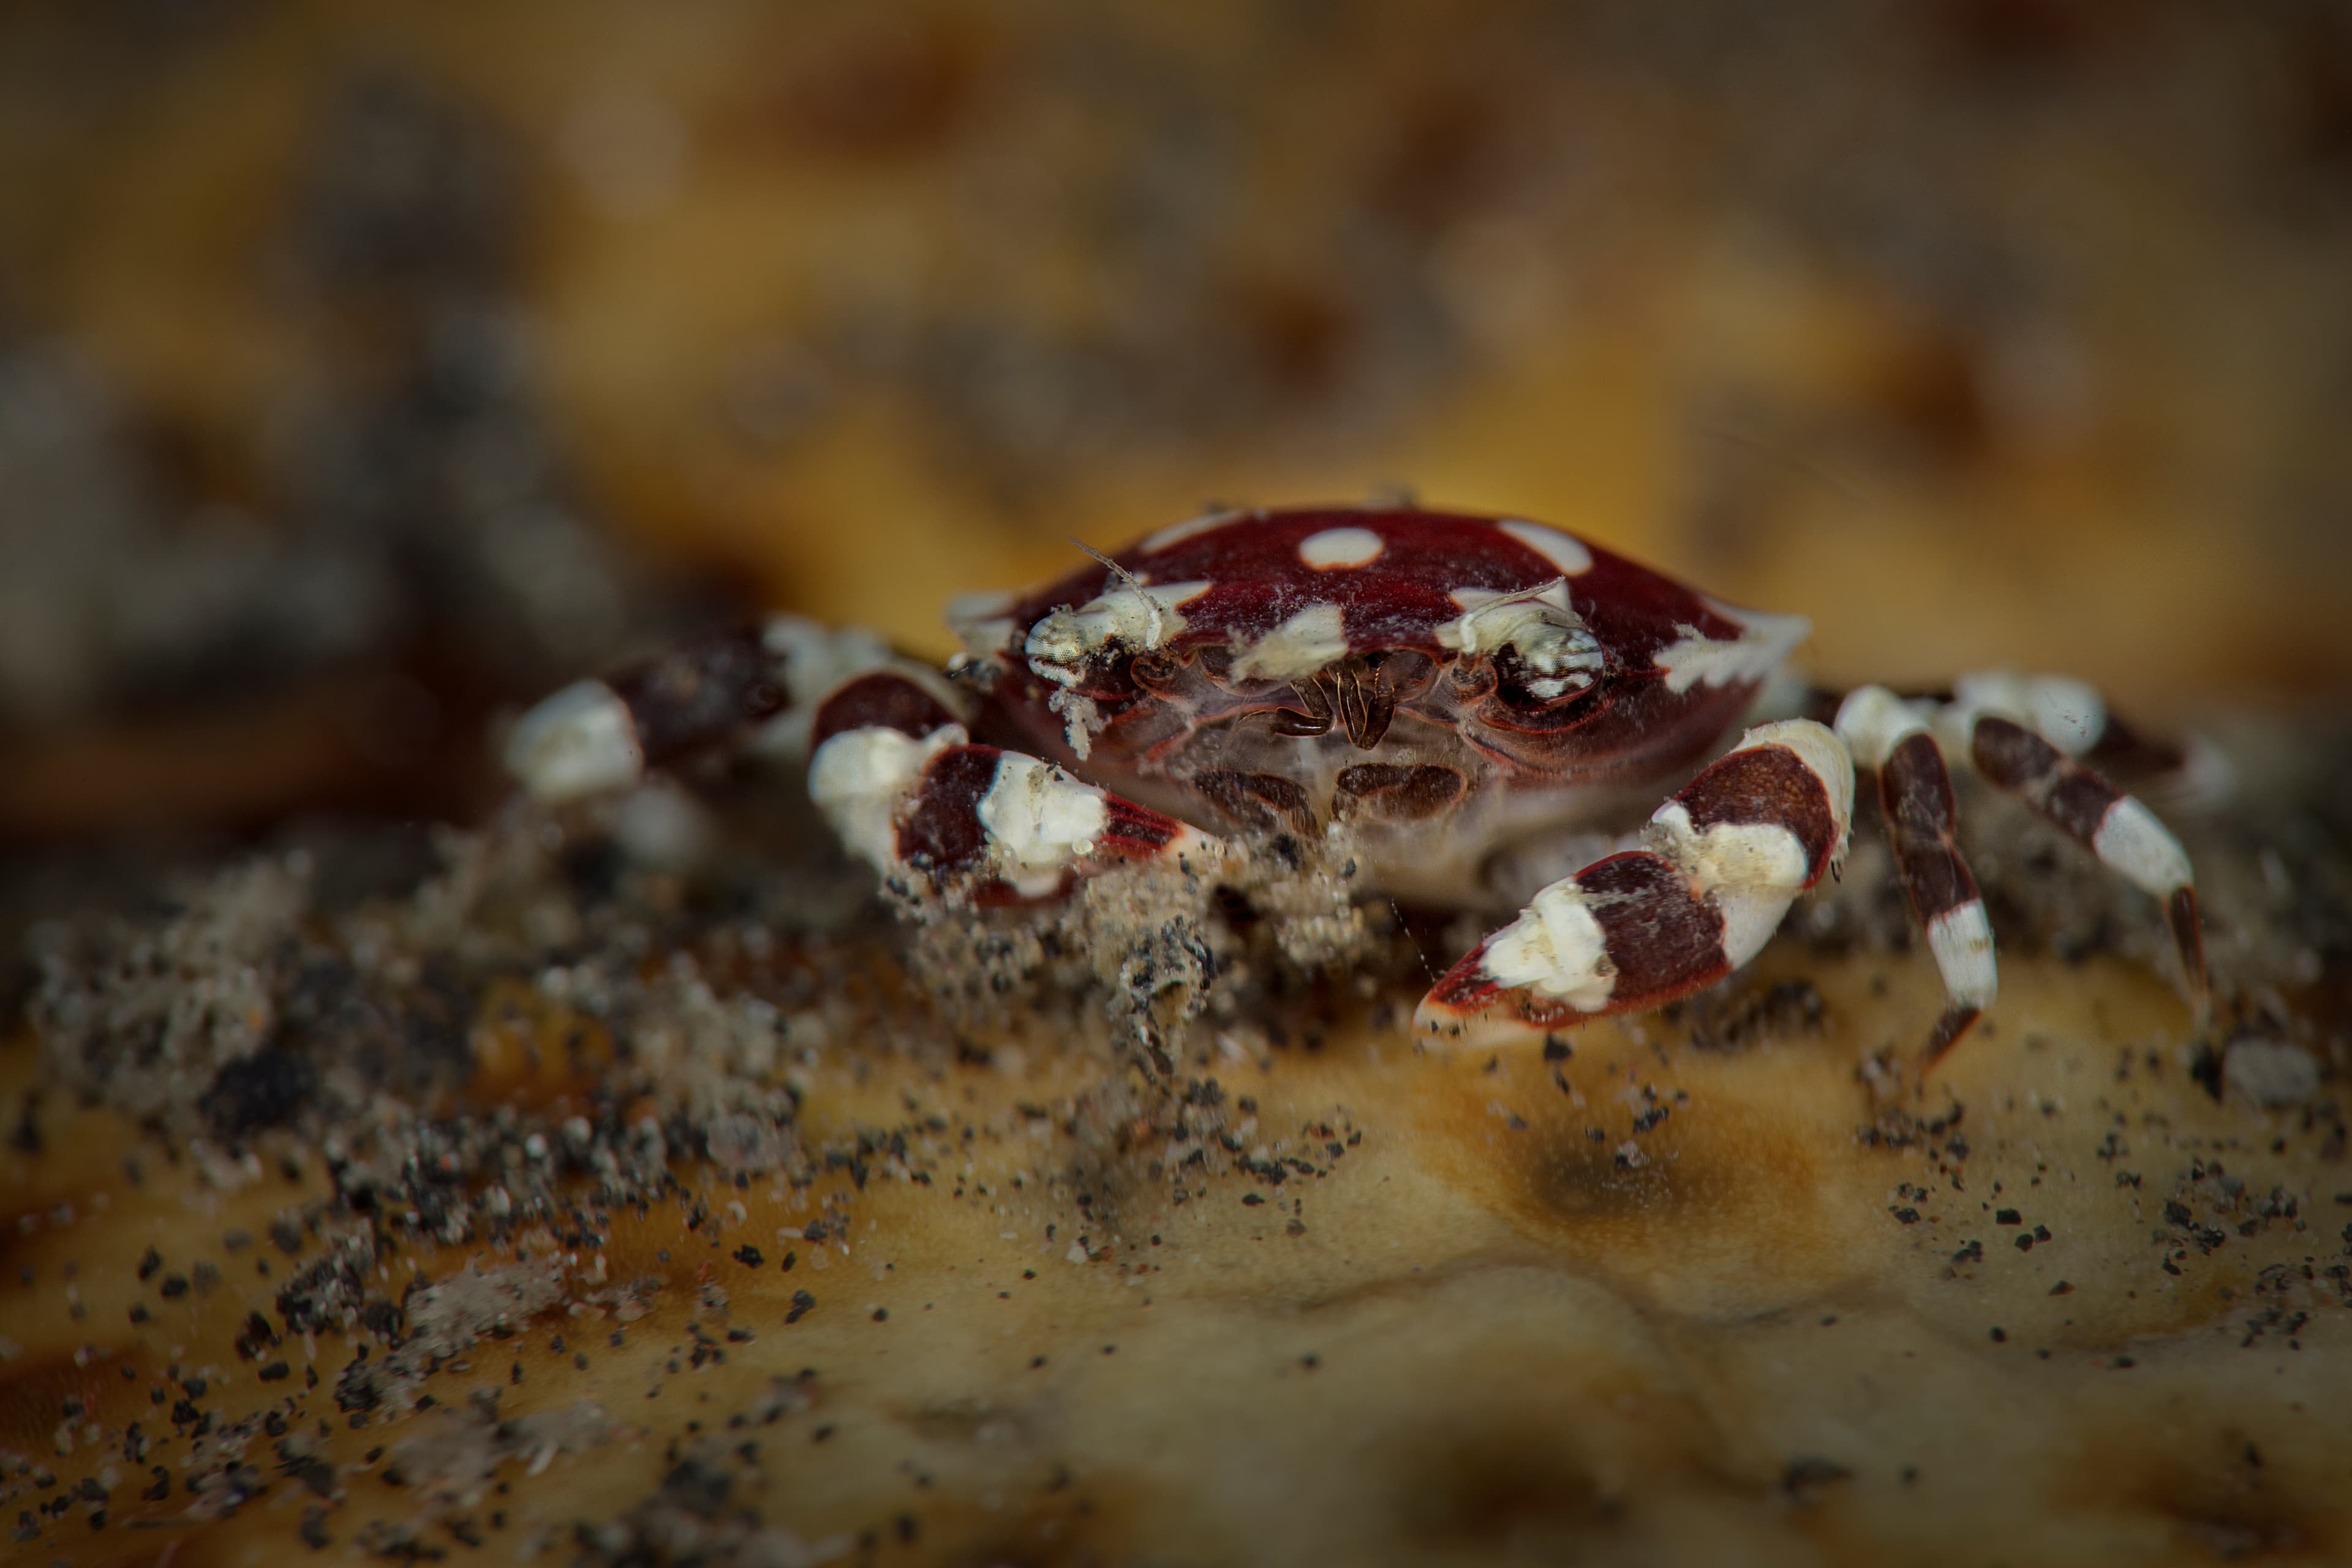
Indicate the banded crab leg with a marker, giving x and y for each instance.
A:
(2024, 734)
(1730, 852)
(1886, 736)
(891, 763)
(754, 687)
(1634, 930)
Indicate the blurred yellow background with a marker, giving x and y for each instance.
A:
(1982, 332)
(369, 368)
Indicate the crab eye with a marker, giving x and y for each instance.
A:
(1522, 686)
(1153, 671)
(1471, 679)
(1217, 664)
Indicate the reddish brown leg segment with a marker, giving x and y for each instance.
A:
(699, 693)
(1915, 793)
(717, 691)
(598, 735)
(2124, 833)
(885, 699)
(1889, 736)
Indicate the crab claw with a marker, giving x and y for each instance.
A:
(1623, 934)
(1010, 827)
(1637, 930)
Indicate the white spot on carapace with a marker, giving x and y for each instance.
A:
(861, 778)
(1567, 553)
(1536, 622)
(1764, 641)
(1191, 528)
(981, 604)
(578, 741)
(1556, 948)
(1336, 547)
(1298, 647)
(983, 624)
(1134, 615)
(1873, 722)
(1961, 939)
(2068, 713)
(2141, 849)
(986, 642)
(1039, 822)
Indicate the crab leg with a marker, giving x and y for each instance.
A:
(1888, 736)
(2123, 833)
(759, 684)
(1633, 930)
(892, 766)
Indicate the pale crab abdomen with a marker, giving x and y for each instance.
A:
(1431, 820)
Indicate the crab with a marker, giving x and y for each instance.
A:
(1475, 702)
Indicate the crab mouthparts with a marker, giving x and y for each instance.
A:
(1351, 693)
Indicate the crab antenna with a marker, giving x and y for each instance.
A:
(1127, 577)
(1539, 594)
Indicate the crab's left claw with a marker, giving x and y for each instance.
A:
(1624, 933)
(1637, 930)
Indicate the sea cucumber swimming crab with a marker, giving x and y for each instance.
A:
(1461, 695)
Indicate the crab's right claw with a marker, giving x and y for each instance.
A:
(928, 810)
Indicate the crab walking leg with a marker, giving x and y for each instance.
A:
(2124, 833)
(757, 683)
(1636, 929)
(904, 788)
(2074, 719)
(1889, 737)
